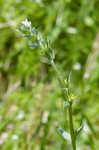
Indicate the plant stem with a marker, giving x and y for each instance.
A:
(60, 79)
(73, 138)
(58, 74)
(72, 128)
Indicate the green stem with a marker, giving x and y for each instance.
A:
(72, 128)
(60, 79)
(70, 108)
(58, 74)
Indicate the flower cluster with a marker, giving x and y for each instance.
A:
(36, 39)
(26, 23)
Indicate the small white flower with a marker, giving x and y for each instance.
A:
(71, 30)
(77, 66)
(26, 23)
(15, 137)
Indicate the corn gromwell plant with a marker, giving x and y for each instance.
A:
(36, 39)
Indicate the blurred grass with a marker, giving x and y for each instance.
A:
(28, 88)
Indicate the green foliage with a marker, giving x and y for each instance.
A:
(29, 90)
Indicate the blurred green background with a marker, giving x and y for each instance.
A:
(30, 95)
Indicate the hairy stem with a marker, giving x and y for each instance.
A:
(58, 74)
(69, 109)
(60, 79)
